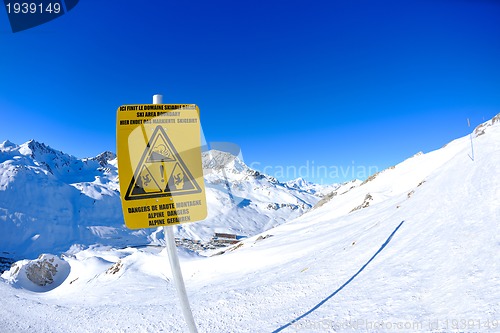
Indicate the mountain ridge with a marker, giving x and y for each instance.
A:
(50, 200)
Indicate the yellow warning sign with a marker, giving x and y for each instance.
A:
(161, 171)
(159, 164)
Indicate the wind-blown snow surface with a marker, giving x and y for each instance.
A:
(415, 248)
(50, 201)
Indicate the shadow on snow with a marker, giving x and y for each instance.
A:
(342, 286)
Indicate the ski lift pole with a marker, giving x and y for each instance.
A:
(175, 266)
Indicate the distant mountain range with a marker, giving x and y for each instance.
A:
(50, 201)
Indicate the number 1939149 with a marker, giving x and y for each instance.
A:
(33, 8)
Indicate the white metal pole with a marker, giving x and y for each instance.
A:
(471, 143)
(157, 99)
(178, 280)
(175, 266)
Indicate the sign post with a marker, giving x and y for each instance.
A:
(161, 176)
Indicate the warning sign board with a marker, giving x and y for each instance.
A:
(159, 164)
(161, 171)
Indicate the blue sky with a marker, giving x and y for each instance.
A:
(323, 85)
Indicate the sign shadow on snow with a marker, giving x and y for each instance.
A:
(342, 286)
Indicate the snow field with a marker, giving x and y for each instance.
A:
(421, 256)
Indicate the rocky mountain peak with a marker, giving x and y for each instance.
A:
(480, 130)
(104, 158)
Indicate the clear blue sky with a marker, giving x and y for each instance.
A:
(294, 83)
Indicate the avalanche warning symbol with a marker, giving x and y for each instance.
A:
(161, 171)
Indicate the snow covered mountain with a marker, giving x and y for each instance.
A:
(313, 188)
(414, 248)
(50, 201)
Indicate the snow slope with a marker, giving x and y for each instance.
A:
(420, 253)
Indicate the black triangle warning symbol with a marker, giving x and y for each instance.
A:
(161, 172)
(160, 152)
(145, 183)
(179, 181)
